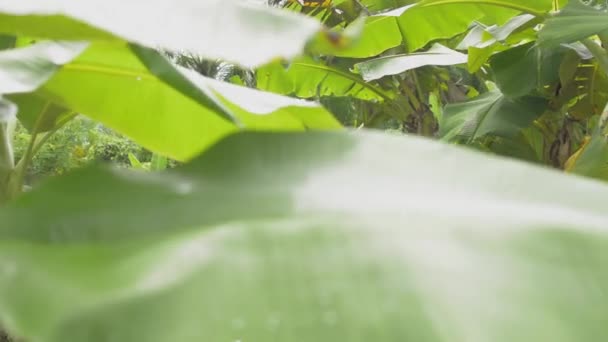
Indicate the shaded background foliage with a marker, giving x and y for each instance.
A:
(78, 143)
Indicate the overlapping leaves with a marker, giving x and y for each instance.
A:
(491, 113)
(234, 30)
(139, 93)
(575, 22)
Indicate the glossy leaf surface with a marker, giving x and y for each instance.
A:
(235, 30)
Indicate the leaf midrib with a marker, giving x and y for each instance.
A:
(101, 69)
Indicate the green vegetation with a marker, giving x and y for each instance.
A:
(288, 171)
(80, 142)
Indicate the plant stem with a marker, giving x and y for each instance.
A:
(33, 148)
(418, 87)
(18, 178)
(6, 166)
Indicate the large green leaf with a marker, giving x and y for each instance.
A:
(481, 36)
(490, 113)
(575, 22)
(379, 34)
(412, 26)
(483, 41)
(416, 25)
(535, 7)
(38, 113)
(374, 69)
(420, 25)
(521, 70)
(183, 112)
(306, 78)
(273, 237)
(235, 30)
(430, 20)
(424, 24)
(592, 159)
(25, 69)
(380, 5)
(515, 24)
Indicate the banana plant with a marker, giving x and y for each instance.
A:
(523, 50)
(402, 48)
(565, 67)
(286, 235)
(68, 59)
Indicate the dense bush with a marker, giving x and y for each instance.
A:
(79, 142)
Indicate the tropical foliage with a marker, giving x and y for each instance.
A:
(525, 81)
(80, 142)
(280, 225)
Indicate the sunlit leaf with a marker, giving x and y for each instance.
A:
(235, 30)
(25, 69)
(379, 34)
(172, 111)
(306, 78)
